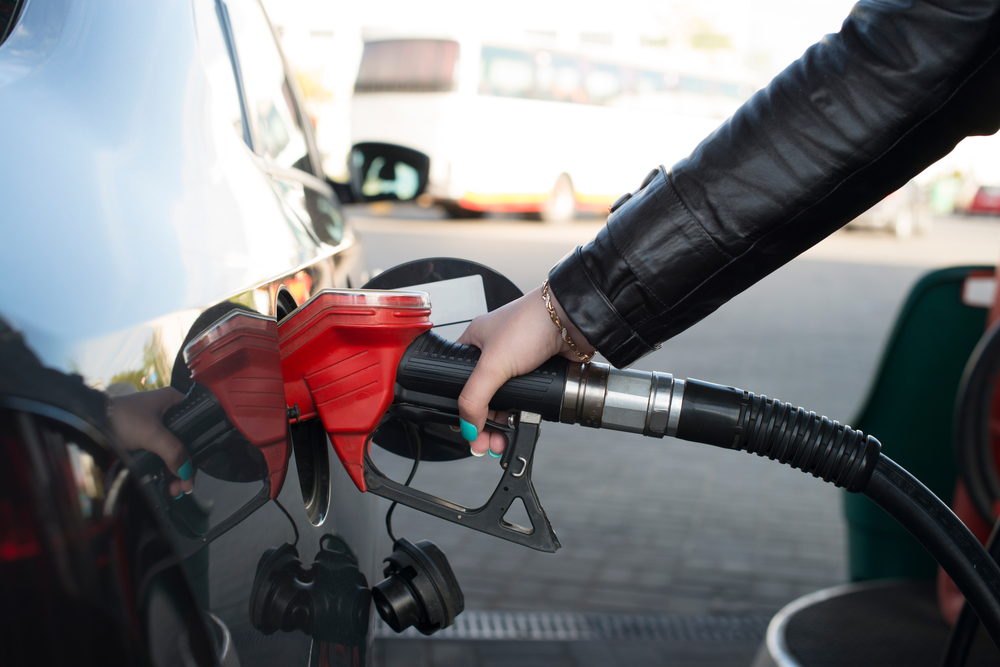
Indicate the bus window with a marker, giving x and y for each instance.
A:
(693, 85)
(506, 73)
(408, 65)
(730, 90)
(603, 82)
(650, 83)
(567, 79)
(559, 78)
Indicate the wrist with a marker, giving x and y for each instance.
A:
(582, 348)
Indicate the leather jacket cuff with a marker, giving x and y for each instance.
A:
(593, 313)
(613, 288)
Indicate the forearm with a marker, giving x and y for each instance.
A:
(851, 121)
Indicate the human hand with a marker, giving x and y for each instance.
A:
(515, 339)
(137, 420)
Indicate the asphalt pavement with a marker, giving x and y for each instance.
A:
(664, 528)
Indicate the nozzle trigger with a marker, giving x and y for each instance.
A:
(515, 482)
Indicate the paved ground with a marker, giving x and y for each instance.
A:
(653, 526)
(424, 653)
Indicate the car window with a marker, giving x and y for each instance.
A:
(274, 118)
(218, 66)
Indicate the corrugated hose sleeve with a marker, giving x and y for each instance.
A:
(737, 419)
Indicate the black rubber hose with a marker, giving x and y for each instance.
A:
(961, 638)
(947, 539)
(974, 453)
(973, 437)
(964, 632)
(735, 419)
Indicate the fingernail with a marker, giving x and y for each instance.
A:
(475, 453)
(189, 491)
(494, 454)
(469, 431)
(185, 471)
(179, 496)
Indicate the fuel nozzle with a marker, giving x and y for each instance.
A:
(357, 359)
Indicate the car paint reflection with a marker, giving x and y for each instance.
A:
(83, 558)
(235, 361)
(160, 210)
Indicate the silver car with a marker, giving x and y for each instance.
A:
(159, 175)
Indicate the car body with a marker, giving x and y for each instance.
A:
(984, 201)
(156, 167)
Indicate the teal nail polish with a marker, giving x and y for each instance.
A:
(494, 455)
(469, 431)
(179, 496)
(185, 471)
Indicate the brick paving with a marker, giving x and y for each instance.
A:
(422, 653)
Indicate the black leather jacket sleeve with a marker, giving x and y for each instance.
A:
(23, 376)
(852, 120)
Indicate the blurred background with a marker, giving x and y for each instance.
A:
(537, 115)
(638, 84)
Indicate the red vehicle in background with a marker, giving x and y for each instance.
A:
(986, 201)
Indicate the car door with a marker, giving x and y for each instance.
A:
(278, 131)
(318, 510)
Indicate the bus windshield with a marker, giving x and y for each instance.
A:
(408, 65)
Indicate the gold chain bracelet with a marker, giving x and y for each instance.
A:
(547, 297)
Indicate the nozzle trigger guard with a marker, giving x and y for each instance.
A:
(515, 482)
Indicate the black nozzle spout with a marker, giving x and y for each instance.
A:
(419, 590)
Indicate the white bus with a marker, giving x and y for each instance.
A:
(529, 129)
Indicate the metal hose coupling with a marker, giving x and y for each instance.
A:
(657, 404)
(598, 396)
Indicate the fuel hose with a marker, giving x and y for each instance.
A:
(963, 633)
(976, 466)
(656, 405)
(973, 436)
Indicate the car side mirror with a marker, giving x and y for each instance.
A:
(387, 172)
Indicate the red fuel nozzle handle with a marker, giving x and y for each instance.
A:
(435, 366)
